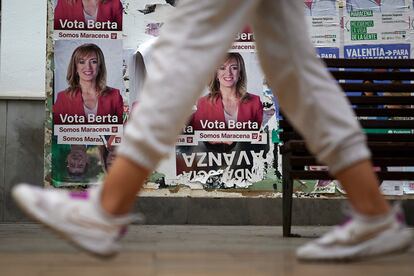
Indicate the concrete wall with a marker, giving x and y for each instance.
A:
(22, 94)
(21, 150)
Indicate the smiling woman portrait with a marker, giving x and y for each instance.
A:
(88, 14)
(88, 95)
(228, 105)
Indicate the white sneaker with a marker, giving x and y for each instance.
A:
(360, 237)
(76, 216)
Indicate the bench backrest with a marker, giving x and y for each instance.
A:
(381, 93)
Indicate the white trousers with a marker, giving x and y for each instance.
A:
(192, 45)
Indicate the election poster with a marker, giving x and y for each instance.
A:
(88, 101)
(244, 41)
(323, 22)
(377, 29)
(227, 142)
(101, 20)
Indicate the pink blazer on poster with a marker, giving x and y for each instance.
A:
(213, 111)
(110, 103)
(110, 10)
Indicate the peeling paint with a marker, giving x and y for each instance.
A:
(225, 178)
(49, 93)
(143, 3)
(185, 191)
(136, 22)
(221, 178)
(172, 2)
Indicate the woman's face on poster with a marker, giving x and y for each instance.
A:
(87, 67)
(228, 73)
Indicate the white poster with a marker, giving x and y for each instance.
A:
(377, 29)
(323, 22)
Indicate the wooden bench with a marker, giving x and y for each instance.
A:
(386, 119)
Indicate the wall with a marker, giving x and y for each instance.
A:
(22, 51)
(21, 150)
(22, 94)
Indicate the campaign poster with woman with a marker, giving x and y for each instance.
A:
(88, 109)
(228, 105)
(98, 15)
(226, 143)
(88, 82)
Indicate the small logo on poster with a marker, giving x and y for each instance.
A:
(117, 140)
(114, 35)
(254, 136)
(114, 129)
(189, 140)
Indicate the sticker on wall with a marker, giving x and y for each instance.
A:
(392, 188)
(323, 22)
(408, 187)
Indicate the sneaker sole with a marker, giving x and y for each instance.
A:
(351, 258)
(58, 233)
(405, 244)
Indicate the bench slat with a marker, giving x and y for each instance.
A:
(386, 87)
(297, 148)
(385, 112)
(369, 75)
(376, 124)
(286, 136)
(382, 100)
(324, 175)
(387, 124)
(375, 145)
(378, 161)
(369, 63)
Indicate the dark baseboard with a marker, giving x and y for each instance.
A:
(234, 211)
(245, 211)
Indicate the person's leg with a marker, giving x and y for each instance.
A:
(362, 187)
(121, 186)
(191, 45)
(314, 103)
(318, 109)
